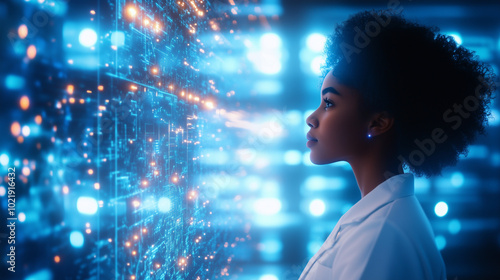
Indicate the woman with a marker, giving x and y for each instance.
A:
(396, 96)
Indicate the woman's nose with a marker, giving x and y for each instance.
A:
(311, 121)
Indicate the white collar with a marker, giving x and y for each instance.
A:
(395, 187)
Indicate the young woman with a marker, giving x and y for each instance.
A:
(396, 96)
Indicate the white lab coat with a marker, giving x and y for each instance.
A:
(385, 235)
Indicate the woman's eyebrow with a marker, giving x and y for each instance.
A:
(330, 89)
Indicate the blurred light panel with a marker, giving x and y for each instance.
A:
(86, 205)
(267, 206)
(440, 242)
(316, 42)
(293, 118)
(271, 249)
(44, 274)
(164, 204)
(456, 36)
(118, 38)
(316, 64)
(270, 41)
(457, 179)
(268, 87)
(317, 207)
(76, 239)
(87, 37)
(14, 82)
(292, 157)
(441, 209)
(268, 277)
(454, 226)
(4, 159)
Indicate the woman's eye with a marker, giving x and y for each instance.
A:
(328, 103)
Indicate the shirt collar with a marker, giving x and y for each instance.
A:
(395, 187)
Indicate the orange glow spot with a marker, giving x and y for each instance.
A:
(132, 11)
(22, 31)
(136, 203)
(70, 89)
(136, 237)
(71, 100)
(38, 119)
(100, 88)
(127, 244)
(144, 230)
(26, 171)
(97, 186)
(134, 253)
(91, 171)
(92, 12)
(82, 101)
(57, 259)
(15, 128)
(31, 52)
(65, 190)
(88, 231)
(146, 22)
(24, 102)
(144, 183)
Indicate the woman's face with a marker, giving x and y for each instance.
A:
(338, 125)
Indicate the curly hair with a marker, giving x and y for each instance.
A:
(438, 92)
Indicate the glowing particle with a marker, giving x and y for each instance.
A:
(86, 205)
(26, 131)
(134, 253)
(76, 239)
(65, 190)
(21, 217)
(146, 22)
(132, 11)
(136, 203)
(127, 244)
(90, 171)
(22, 31)
(88, 231)
(87, 37)
(100, 88)
(57, 259)
(209, 104)
(26, 171)
(70, 89)
(38, 119)
(97, 186)
(441, 209)
(31, 52)
(15, 128)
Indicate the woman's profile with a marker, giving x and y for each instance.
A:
(396, 96)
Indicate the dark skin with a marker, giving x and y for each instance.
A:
(341, 125)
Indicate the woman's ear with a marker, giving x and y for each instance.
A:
(380, 123)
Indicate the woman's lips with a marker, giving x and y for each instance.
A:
(312, 141)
